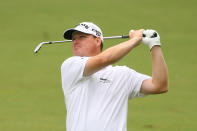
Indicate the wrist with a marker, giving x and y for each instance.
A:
(152, 45)
(136, 39)
(134, 42)
(155, 48)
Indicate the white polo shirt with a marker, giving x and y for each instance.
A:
(98, 102)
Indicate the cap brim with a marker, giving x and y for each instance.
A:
(68, 34)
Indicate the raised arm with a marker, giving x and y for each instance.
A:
(113, 54)
(159, 81)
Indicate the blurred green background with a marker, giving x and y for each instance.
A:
(31, 98)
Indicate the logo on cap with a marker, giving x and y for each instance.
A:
(98, 33)
(85, 27)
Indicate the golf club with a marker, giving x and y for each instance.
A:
(109, 37)
(53, 42)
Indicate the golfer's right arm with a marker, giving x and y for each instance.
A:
(113, 54)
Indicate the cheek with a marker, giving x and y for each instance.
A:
(89, 47)
(91, 44)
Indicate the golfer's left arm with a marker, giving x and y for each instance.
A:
(159, 81)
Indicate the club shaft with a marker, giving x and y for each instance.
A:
(53, 42)
(109, 37)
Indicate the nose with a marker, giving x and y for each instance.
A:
(75, 41)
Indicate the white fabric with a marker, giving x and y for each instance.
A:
(150, 40)
(98, 102)
(88, 28)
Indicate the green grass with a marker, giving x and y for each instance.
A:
(31, 98)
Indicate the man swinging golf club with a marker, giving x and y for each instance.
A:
(96, 93)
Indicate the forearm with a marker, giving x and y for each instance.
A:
(115, 53)
(109, 56)
(159, 69)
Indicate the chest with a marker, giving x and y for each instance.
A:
(107, 83)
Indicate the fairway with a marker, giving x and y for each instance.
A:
(31, 97)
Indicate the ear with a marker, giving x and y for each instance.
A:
(99, 41)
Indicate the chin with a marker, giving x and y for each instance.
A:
(77, 54)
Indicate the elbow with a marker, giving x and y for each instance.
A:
(163, 88)
(160, 90)
(166, 88)
(160, 87)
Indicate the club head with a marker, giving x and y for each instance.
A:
(39, 46)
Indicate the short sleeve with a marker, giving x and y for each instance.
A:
(72, 71)
(135, 80)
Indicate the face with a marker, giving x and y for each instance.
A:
(85, 44)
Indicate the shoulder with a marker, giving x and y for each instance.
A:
(127, 72)
(74, 60)
(117, 71)
(123, 69)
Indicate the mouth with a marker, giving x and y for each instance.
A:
(76, 47)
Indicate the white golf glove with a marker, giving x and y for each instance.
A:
(151, 38)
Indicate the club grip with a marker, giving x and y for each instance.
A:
(126, 36)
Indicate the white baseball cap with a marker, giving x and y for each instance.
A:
(85, 27)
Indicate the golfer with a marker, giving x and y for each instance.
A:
(97, 93)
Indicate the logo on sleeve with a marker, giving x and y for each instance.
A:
(104, 80)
